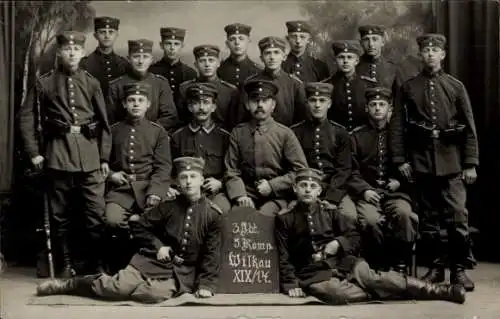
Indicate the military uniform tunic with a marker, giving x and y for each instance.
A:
(104, 67)
(306, 68)
(379, 69)
(327, 148)
(162, 109)
(193, 231)
(176, 73)
(141, 150)
(237, 72)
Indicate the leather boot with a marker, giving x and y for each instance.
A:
(67, 271)
(458, 276)
(435, 274)
(80, 286)
(331, 294)
(422, 290)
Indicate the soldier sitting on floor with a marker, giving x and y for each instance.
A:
(317, 250)
(180, 251)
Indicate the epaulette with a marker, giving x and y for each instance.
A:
(89, 75)
(187, 82)
(454, 79)
(327, 79)
(337, 124)
(293, 76)
(251, 77)
(224, 131)
(288, 209)
(327, 205)
(358, 128)
(240, 125)
(161, 77)
(178, 130)
(157, 125)
(114, 125)
(232, 86)
(297, 124)
(46, 74)
(367, 78)
(215, 207)
(116, 80)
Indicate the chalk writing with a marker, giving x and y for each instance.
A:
(247, 244)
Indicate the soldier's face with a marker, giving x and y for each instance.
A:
(238, 44)
(71, 54)
(298, 41)
(372, 44)
(319, 105)
(347, 61)
(202, 108)
(432, 56)
(136, 105)
(207, 65)
(261, 108)
(172, 48)
(140, 62)
(307, 191)
(106, 37)
(190, 182)
(379, 110)
(272, 58)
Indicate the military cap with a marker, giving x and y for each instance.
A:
(371, 29)
(319, 89)
(309, 174)
(237, 28)
(351, 46)
(260, 88)
(198, 89)
(138, 88)
(298, 26)
(172, 33)
(431, 40)
(71, 37)
(272, 42)
(206, 50)
(106, 23)
(187, 163)
(378, 93)
(140, 46)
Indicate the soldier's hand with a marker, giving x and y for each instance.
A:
(406, 171)
(296, 293)
(264, 188)
(332, 248)
(163, 253)
(371, 196)
(119, 178)
(105, 169)
(245, 201)
(469, 175)
(203, 293)
(37, 161)
(172, 193)
(393, 185)
(213, 185)
(329, 205)
(317, 256)
(152, 201)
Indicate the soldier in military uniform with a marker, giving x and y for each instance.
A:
(327, 148)
(104, 64)
(298, 61)
(228, 97)
(180, 250)
(263, 155)
(291, 98)
(69, 106)
(140, 167)
(434, 140)
(317, 256)
(372, 64)
(170, 66)
(348, 97)
(206, 139)
(162, 109)
(381, 193)
(238, 66)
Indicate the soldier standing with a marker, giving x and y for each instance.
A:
(327, 148)
(170, 66)
(180, 250)
(263, 155)
(381, 193)
(348, 97)
(317, 250)
(162, 109)
(104, 64)
(298, 61)
(69, 106)
(204, 138)
(238, 66)
(436, 140)
(207, 62)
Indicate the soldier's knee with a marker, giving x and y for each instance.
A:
(328, 293)
(116, 216)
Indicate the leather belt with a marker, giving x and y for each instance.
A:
(75, 129)
(137, 177)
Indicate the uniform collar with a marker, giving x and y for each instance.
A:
(100, 53)
(309, 209)
(135, 122)
(62, 69)
(271, 75)
(236, 62)
(370, 58)
(264, 126)
(298, 58)
(133, 74)
(214, 80)
(430, 74)
(349, 78)
(207, 130)
(317, 123)
(170, 65)
(373, 125)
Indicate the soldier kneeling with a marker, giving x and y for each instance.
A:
(167, 265)
(318, 256)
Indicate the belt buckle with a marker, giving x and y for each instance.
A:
(178, 260)
(380, 182)
(132, 177)
(435, 134)
(73, 129)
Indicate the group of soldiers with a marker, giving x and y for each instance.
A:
(158, 153)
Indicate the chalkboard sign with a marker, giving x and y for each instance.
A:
(249, 255)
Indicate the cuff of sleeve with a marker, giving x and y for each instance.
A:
(470, 162)
(343, 244)
(158, 244)
(154, 196)
(398, 159)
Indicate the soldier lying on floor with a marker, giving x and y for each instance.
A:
(181, 242)
(318, 256)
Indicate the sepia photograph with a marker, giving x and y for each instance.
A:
(250, 159)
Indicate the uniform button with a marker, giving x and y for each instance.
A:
(320, 164)
(71, 86)
(72, 101)
(132, 171)
(132, 165)
(432, 102)
(107, 62)
(317, 143)
(183, 247)
(173, 86)
(237, 69)
(71, 93)
(188, 217)
(186, 233)
(109, 69)
(171, 72)
(187, 225)
(130, 158)
(317, 158)
(348, 91)
(309, 217)
(70, 80)
(317, 129)
(349, 105)
(184, 241)
(349, 98)
(132, 130)
(171, 79)
(317, 150)
(132, 137)
(131, 151)
(237, 76)
(431, 83)
(317, 136)
(348, 84)
(297, 65)
(298, 72)
(349, 112)
(190, 210)
(75, 115)
(434, 117)
(75, 122)
(312, 230)
(109, 75)
(131, 143)
(311, 223)
(73, 108)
